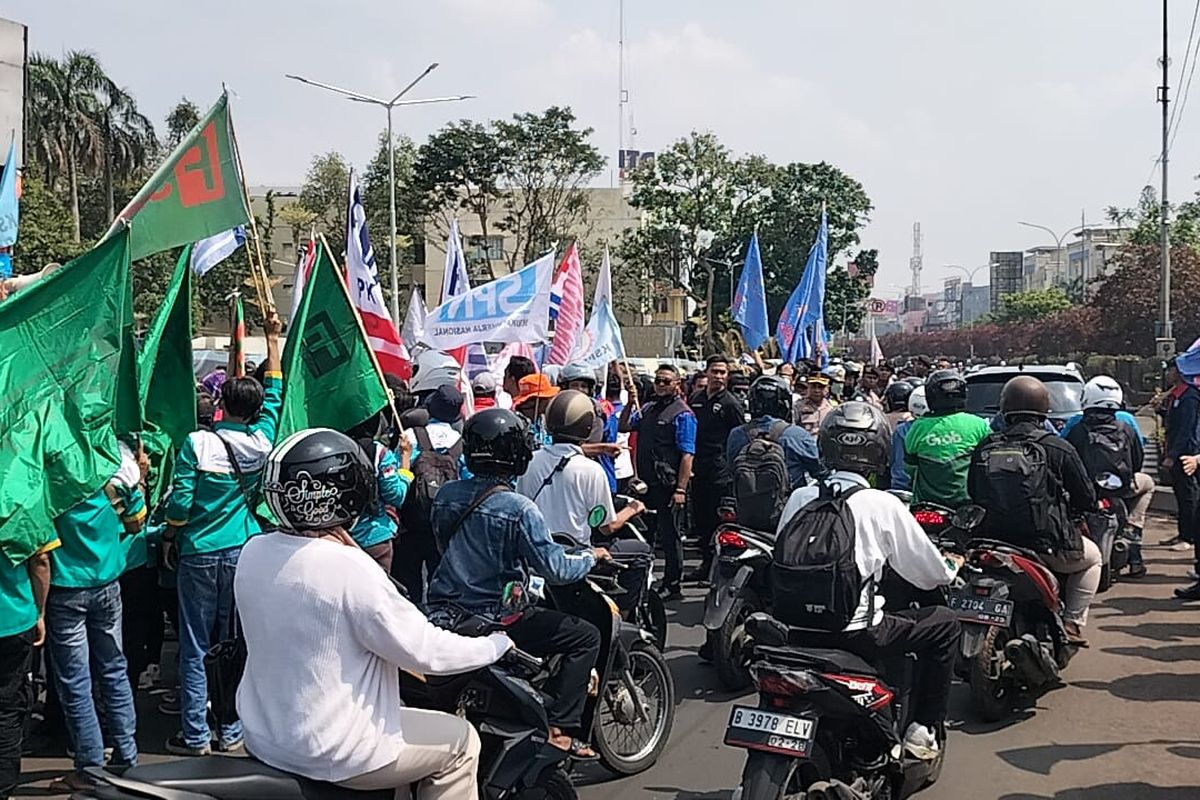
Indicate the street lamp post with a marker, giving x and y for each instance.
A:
(1058, 240)
(388, 105)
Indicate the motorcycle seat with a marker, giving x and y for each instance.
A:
(242, 779)
(822, 659)
(1006, 547)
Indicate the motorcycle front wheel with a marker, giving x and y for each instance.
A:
(553, 784)
(626, 742)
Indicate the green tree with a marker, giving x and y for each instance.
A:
(844, 294)
(1031, 306)
(324, 194)
(545, 164)
(300, 219)
(130, 143)
(46, 232)
(458, 171)
(183, 117)
(376, 191)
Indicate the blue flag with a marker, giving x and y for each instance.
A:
(212, 251)
(8, 198)
(750, 300)
(818, 262)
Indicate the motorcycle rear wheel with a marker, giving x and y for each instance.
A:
(624, 745)
(730, 639)
(990, 694)
(553, 784)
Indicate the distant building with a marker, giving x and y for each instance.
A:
(1043, 267)
(1089, 257)
(1007, 268)
(976, 302)
(14, 58)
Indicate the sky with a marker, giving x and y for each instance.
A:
(964, 115)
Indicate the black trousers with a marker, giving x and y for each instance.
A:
(545, 632)
(708, 495)
(932, 633)
(638, 560)
(141, 620)
(1187, 498)
(667, 536)
(414, 559)
(15, 653)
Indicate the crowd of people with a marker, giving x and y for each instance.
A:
(455, 496)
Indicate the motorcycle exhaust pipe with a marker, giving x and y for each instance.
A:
(1118, 559)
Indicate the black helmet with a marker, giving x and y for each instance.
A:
(1026, 395)
(571, 417)
(946, 390)
(856, 437)
(497, 442)
(319, 479)
(895, 397)
(771, 396)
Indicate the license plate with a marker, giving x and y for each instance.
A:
(983, 610)
(756, 729)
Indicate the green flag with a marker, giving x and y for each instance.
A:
(64, 382)
(166, 382)
(329, 377)
(195, 193)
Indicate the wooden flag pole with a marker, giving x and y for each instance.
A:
(262, 283)
(363, 330)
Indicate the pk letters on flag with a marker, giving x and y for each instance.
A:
(514, 308)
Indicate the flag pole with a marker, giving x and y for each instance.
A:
(363, 331)
(262, 284)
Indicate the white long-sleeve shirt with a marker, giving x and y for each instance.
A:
(326, 632)
(885, 533)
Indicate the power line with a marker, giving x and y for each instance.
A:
(1176, 120)
(1183, 67)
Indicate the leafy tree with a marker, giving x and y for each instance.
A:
(300, 219)
(183, 117)
(324, 194)
(377, 197)
(1031, 306)
(545, 164)
(1127, 299)
(844, 294)
(458, 170)
(46, 232)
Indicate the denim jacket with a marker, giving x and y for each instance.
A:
(502, 540)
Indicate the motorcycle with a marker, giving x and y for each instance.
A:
(1013, 641)
(740, 587)
(631, 710)
(517, 761)
(1105, 527)
(648, 612)
(828, 724)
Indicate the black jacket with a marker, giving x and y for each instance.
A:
(1071, 490)
(1135, 454)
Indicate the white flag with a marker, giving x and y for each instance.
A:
(514, 308)
(414, 320)
(600, 342)
(455, 279)
(207, 253)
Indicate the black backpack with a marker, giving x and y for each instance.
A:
(431, 471)
(1018, 490)
(814, 576)
(760, 478)
(1107, 449)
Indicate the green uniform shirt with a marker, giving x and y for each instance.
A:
(18, 608)
(937, 453)
(208, 508)
(92, 553)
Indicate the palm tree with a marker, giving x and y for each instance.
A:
(129, 140)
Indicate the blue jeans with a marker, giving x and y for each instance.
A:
(205, 618)
(83, 632)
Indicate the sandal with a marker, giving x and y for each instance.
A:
(71, 782)
(578, 748)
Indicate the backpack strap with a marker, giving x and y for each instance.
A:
(455, 450)
(559, 467)
(237, 471)
(495, 488)
(421, 434)
(777, 429)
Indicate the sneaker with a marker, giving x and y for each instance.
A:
(229, 747)
(1192, 575)
(169, 704)
(1181, 547)
(699, 576)
(1189, 592)
(72, 782)
(1136, 571)
(668, 593)
(149, 677)
(1174, 540)
(177, 746)
(921, 742)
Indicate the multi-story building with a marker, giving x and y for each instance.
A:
(1043, 267)
(1089, 257)
(1007, 275)
(976, 301)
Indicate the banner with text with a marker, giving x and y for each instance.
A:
(515, 308)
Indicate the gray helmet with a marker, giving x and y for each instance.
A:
(570, 417)
(856, 437)
(576, 372)
(1024, 395)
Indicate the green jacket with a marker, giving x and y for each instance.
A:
(937, 454)
(207, 508)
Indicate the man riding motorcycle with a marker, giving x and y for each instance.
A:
(326, 631)
(855, 442)
(938, 447)
(491, 536)
(771, 407)
(1032, 483)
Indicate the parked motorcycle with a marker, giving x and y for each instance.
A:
(828, 724)
(517, 761)
(1013, 640)
(740, 587)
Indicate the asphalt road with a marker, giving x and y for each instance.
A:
(1122, 729)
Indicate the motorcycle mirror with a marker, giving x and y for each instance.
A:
(1109, 481)
(968, 517)
(904, 496)
(637, 487)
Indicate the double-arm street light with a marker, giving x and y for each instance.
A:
(1058, 242)
(388, 105)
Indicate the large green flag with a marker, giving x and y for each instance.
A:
(66, 384)
(330, 380)
(196, 193)
(166, 382)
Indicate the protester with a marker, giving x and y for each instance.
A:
(326, 633)
(483, 391)
(811, 412)
(375, 529)
(210, 515)
(938, 446)
(718, 411)
(83, 619)
(666, 447)
(623, 463)
(868, 390)
(900, 479)
(1183, 438)
(770, 410)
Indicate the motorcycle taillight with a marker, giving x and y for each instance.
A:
(731, 539)
(927, 518)
(1105, 504)
(779, 682)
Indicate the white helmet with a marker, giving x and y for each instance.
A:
(1102, 392)
(917, 406)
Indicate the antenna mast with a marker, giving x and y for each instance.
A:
(916, 262)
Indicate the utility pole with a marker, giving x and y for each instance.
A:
(1166, 336)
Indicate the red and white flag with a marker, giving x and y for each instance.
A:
(304, 265)
(566, 295)
(362, 278)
